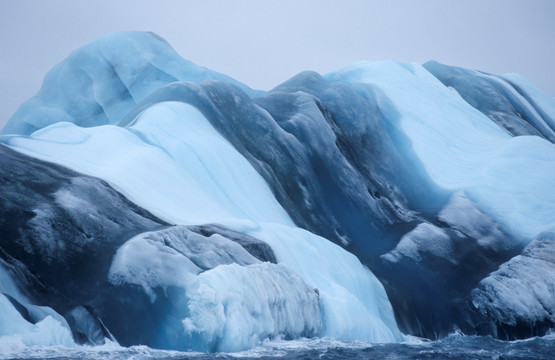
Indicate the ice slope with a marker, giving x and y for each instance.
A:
(58, 229)
(102, 81)
(542, 103)
(460, 148)
(43, 326)
(354, 305)
(89, 272)
(509, 100)
(488, 216)
(16, 332)
(200, 178)
(431, 186)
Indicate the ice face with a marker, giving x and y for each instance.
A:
(517, 300)
(421, 181)
(460, 148)
(26, 324)
(233, 308)
(15, 330)
(509, 100)
(542, 103)
(354, 303)
(59, 232)
(424, 238)
(221, 297)
(171, 145)
(99, 83)
(201, 178)
(432, 117)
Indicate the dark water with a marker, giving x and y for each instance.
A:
(453, 347)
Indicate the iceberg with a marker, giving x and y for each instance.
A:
(147, 200)
(102, 81)
(202, 179)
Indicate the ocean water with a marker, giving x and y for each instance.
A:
(452, 347)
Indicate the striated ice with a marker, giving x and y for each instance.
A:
(435, 177)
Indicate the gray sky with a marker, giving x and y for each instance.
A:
(263, 43)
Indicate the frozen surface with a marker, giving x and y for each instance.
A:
(102, 81)
(150, 264)
(199, 176)
(461, 148)
(433, 117)
(229, 302)
(15, 330)
(234, 308)
(521, 294)
(355, 306)
(509, 100)
(424, 238)
(463, 215)
(434, 177)
(59, 232)
(543, 103)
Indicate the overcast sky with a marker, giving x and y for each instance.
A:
(263, 43)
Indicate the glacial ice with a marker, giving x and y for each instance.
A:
(509, 100)
(226, 300)
(201, 179)
(461, 148)
(42, 327)
(151, 264)
(541, 102)
(101, 82)
(424, 238)
(428, 175)
(355, 305)
(14, 329)
(59, 232)
(173, 146)
(521, 293)
(234, 307)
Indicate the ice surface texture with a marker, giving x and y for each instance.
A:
(434, 178)
(520, 293)
(200, 179)
(508, 100)
(59, 232)
(101, 82)
(63, 246)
